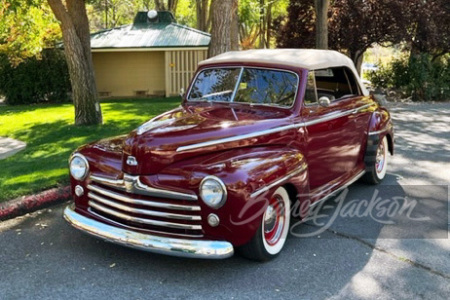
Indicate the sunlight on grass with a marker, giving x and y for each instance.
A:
(51, 137)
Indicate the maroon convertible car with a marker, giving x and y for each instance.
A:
(259, 134)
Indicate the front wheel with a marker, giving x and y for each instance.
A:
(271, 234)
(377, 170)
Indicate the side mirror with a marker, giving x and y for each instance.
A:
(181, 92)
(324, 101)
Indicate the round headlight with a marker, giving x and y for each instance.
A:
(79, 166)
(213, 192)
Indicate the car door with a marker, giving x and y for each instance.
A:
(333, 130)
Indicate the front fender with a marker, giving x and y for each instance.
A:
(247, 173)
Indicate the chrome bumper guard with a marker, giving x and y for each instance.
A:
(150, 243)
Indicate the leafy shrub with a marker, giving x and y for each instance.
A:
(35, 80)
(419, 77)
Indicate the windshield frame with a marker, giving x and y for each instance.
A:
(237, 85)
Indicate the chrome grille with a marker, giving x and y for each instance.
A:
(146, 210)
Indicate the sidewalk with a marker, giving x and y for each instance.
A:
(9, 147)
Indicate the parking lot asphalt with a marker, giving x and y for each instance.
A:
(355, 257)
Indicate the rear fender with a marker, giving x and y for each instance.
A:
(380, 125)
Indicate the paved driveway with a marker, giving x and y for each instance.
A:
(41, 257)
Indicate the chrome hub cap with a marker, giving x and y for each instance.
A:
(381, 158)
(274, 221)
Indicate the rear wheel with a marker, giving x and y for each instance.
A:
(376, 172)
(273, 230)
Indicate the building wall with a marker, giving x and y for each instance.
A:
(127, 74)
(180, 68)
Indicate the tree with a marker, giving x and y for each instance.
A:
(429, 30)
(203, 14)
(353, 25)
(298, 31)
(26, 30)
(234, 31)
(171, 5)
(75, 30)
(111, 13)
(265, 22)
(249, 23)
(259, 22)
(321, 9)
(222, 18)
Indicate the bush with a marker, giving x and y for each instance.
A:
(35, 80)
(419, 77)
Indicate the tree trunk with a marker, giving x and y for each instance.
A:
(321, 8)
(171, 5)
(235, 27)
(106, 14)
(159, 5)
(269, 24)
(201, 7)
(77, 48)
(222, 17)
(358, 60)
(208, 15)
(262, 24)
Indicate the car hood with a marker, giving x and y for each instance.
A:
(182, 133)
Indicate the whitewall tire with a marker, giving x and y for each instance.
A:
(271, 235)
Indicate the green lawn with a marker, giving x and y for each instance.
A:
(51, 137)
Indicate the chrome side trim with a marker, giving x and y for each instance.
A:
(146, 212)
(377, 132)
(235, 138)
(335, 115)
(273, 130)
(126, 199)
(351, 181)
(279, 181)
(162, 245)
(132, 184)
(124, 216)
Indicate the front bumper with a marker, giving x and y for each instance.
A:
(151, 243)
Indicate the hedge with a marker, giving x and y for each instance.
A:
(419, 77)
(35, 80)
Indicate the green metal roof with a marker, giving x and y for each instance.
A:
(162, 32)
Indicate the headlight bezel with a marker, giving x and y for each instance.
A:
(224, 196)
(84, 160)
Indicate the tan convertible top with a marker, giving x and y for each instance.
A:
(310, 59)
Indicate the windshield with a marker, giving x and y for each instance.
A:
(245, 85)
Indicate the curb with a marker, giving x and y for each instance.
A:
(26, 204)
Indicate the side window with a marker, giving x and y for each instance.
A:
(336, 83)
(352, 82)
(310, 93)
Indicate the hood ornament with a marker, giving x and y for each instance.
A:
(131, 161)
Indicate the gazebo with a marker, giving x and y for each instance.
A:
(153, 56)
